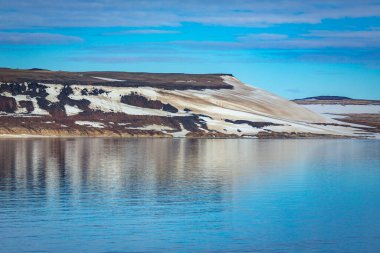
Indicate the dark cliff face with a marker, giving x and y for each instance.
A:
(28, 105)
(39, 92)
(33, 89)
(252, 124)
(7, 104)
(140, 101)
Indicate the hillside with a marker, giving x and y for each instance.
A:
(57, 103)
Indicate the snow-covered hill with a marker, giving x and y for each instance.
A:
(40, 102)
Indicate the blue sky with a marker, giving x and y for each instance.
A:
(293, 48)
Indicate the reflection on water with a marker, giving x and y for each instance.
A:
(123, 195)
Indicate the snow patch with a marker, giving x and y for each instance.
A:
(53, 90)
(72, 110)
(154, 127)
(180, 134)
(110, 101)
(90, 124)
(183, 81)
(342, 109)
(108, 79)
(230, 128)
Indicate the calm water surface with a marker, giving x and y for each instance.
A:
(162, 195)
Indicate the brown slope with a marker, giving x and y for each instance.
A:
(176, 81)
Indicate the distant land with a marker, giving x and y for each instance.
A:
(39, 102)
(326, 98)
(348, 110)
(335, 100)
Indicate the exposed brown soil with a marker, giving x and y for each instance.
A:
(371, 120)
(28, 105)
(8, 104)
(252, 124)
(115, 124)
(131, 79)
(141, 101)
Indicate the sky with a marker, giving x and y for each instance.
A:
(293, 48)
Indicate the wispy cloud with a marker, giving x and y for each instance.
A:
(144, 31)
(369, 58)
(132, 59)
(255, 25)
(16, 38)
(144, 13)
(312, 40)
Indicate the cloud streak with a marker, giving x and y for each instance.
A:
(16, 38)
(368, 39)
(132, 59)
(144, 31)
(278, 30)
(144, 13)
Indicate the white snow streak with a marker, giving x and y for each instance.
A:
(108, 79)
(72, 110)
(342, 109)
(90, 124)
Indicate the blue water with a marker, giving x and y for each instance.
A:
(162, 195)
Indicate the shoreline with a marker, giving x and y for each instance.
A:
(327, 137)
